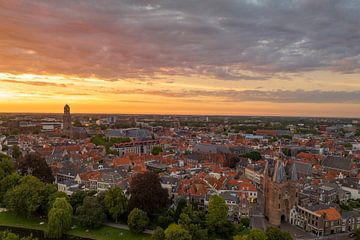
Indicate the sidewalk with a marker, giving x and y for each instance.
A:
(124, 227)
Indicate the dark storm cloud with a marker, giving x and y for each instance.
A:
(137, 39)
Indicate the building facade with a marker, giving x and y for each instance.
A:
(280, 192)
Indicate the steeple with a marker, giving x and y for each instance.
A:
(279, 172)
(67, 127)
(294, 176)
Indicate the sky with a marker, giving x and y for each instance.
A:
(208, 57)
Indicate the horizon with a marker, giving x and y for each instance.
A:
(294, 58)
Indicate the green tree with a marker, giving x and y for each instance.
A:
(273, 233)
(16, 152)
(176, 232)
(245, 222)
(115, 203)
(194, 222)
(77, 123)
(240, 237)
(147, 194)
(54, 196)
(27, 197)
(59, 218)
(357, 233)
(253, 155)
(217, 212)
(256, 234)
(156, 150)
(90, 213)
(11, 236)
(158, 234)
(137, 220)
(7, 183)
(6, 166)
(77, 198)
(8, 236)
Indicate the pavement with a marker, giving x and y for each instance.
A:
(124, 227)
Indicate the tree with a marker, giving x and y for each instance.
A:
(194, 222)
(8, 236)
(147, 194)
(176, 232)
(16, 152)
(217, 212)
(245, 222)
(27, 197)
(357, 233)
(240, 237)
(115, 203)
(181, 204)
(77, 198)
(59, 218)
(156, 150)
(56, 195)
(253, 155)
(158, 234)
(6, 166)
(273, 233)
(7, 183)
(11, 236)
(35, 165)
(137, 220)
(256, 234)
(90, 213)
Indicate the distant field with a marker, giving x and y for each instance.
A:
(103, 233)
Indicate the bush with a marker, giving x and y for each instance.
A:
(158, 234)
(138, 220)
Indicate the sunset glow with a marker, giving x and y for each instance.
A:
(170, 58)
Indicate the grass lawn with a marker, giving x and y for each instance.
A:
(102, 233)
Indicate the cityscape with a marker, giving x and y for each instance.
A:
(180, 120)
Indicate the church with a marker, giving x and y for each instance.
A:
(280, 191)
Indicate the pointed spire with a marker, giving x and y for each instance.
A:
(294, 176)
(279, 173)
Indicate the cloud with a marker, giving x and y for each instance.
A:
(278, 96)
(139, 39)
(35, 83)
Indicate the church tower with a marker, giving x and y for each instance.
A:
(67, 127)
(280, 191)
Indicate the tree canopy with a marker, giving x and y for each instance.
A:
(7, 183)
(28, 196)
(6, 166)
(77, 198)
(90, 213)
(253, 155)
(217, 212)
(35, 165)
(147, 193)
(59, 218)
(115, 202)
(137, 220)
(156, 150)
(158, 234)
(176, 232)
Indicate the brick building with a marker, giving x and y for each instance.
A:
(280, 193)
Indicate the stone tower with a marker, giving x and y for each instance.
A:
(67, 127)
(280, 191)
